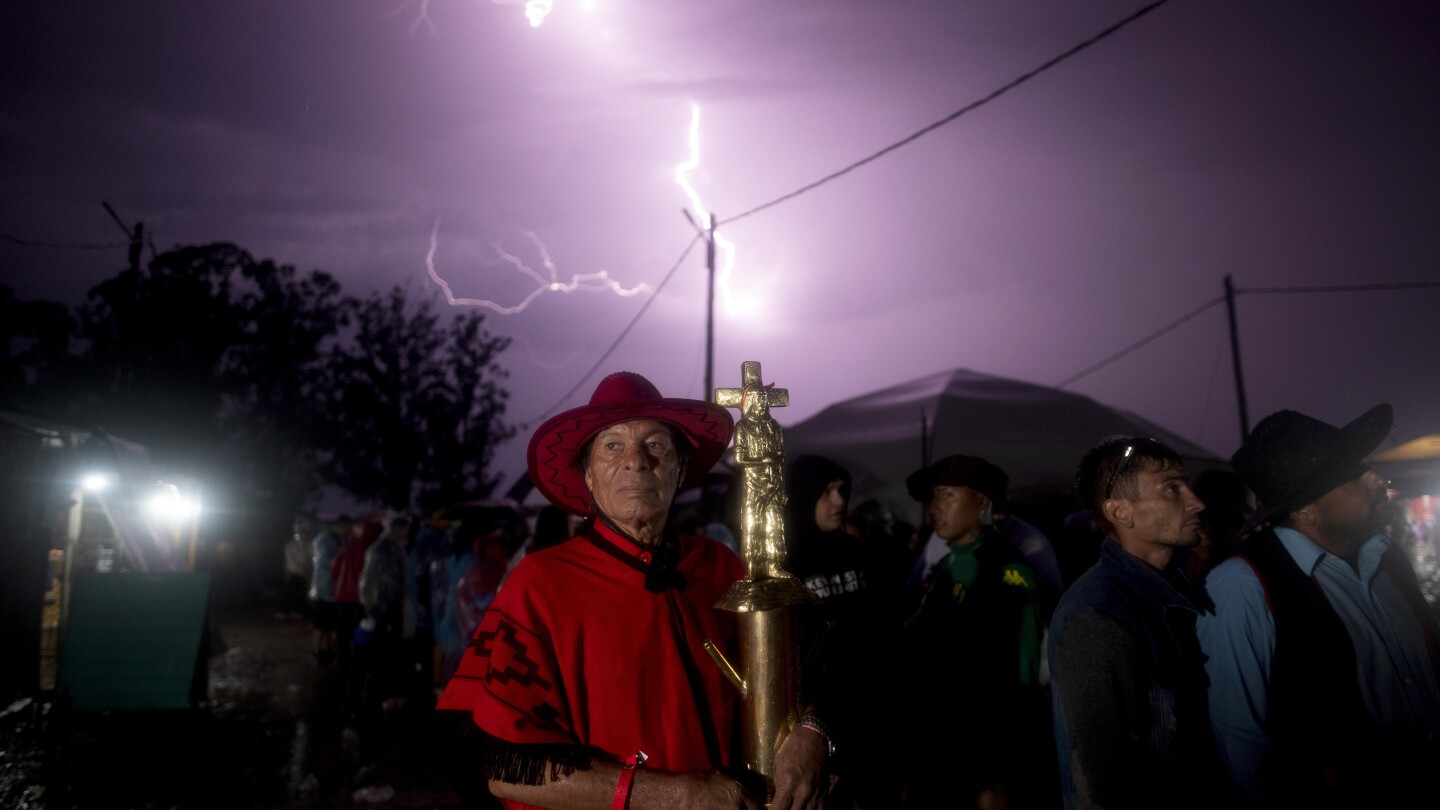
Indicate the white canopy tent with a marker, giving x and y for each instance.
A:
(1413, 467)
(1036, 434)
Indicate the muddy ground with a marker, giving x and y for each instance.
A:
(275, 732)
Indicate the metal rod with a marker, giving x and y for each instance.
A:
(710, 308)
(1235, 359)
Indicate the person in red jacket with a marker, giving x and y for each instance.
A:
(345, 573)
(590, 663)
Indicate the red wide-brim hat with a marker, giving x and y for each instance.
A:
(621, 397)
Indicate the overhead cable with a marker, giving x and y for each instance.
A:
(952, 116)
(623, 333)
(63, 246)
(1407, 285)
(1132, 347)
(1334, 288)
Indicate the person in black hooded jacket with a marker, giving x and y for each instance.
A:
(844, 635)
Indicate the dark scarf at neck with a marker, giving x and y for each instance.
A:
(661, 572)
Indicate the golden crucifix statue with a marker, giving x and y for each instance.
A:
(769, 676)
(760, 454)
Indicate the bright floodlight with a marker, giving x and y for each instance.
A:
(169, 504)
(95, 482)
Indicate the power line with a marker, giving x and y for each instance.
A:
(952, 116)
(715, 222)
(133, 238)
(1334, 288)
(623, 333)
(63, 246)
(1408, 285)
(1132, 347)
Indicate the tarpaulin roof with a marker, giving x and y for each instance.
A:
(1413, 467)
(1035, 433)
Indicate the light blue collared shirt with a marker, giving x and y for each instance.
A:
(1395, 674)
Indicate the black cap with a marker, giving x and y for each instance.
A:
(959, 471)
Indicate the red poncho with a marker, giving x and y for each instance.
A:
(576, 650)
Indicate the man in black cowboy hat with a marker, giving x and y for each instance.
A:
(590, 663)
(1322, 651)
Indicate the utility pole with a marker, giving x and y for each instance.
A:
(709, 230)
(1235, 359)
(126, 325)
(709, 391)
(710, 308)
(137, 237)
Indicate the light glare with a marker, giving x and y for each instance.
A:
(95, 482)
(169, 504)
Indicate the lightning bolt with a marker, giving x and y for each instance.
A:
(724, 246)
(535, 10)
(423, 18)
(579, 281)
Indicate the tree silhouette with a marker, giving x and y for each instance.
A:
(35, 347)
(275, 372)
(267, 383)
(206, 358)
(414, 404)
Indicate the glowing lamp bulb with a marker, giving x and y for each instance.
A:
(95, 482)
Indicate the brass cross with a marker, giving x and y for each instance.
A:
(751, 385)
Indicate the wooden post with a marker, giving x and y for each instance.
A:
(1235, 359)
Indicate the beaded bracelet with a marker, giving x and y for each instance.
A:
(813, 723)
(627, 775)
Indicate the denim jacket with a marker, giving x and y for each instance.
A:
(1129, 688)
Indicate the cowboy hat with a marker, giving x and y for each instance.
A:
(1290, 459)
(621, 397)
(959, 471)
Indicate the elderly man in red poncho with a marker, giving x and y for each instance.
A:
(588, 673)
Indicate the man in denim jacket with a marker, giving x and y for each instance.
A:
(1323, 655)
(1127, 675)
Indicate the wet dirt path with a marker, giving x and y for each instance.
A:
(276, 732)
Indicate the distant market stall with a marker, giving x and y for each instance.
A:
(97, 589)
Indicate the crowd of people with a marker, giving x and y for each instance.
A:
(394, 600)
(1243, 637)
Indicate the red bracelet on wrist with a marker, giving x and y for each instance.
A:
(627, 775)
(812, 723)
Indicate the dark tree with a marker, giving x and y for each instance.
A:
(254, 381)
(208, 358)
(415, 403)
(259, 380)
(275, 373)
(155, 342)
(36, 341)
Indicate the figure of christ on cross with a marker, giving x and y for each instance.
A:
(760, 452)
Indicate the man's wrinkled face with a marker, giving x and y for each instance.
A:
(633, 471)
(830, 509)
(1167, 513)
(955, 512)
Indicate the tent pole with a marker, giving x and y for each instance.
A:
(710, 309)
(1235, 359)
(924, 439)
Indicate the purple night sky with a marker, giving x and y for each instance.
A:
(1284, 143)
